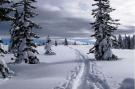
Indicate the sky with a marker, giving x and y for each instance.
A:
(72, 18)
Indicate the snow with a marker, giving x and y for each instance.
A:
(2, 62)
(56, 70)
(52, 70)
(48, 47)
(114, 71)
(77, 81)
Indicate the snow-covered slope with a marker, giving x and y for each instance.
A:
(114, 71)
(54, 70)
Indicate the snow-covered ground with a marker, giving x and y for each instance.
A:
(114, 71)
(54, 70)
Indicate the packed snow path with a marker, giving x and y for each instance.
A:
(108, 74)
(87, 78)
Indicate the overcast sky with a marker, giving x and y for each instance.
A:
(71, 18)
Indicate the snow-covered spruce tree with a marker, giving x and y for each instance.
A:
(104, 26)
(65, 42)
(1, 49)
(129, 42)
(75, 43)
(120, 40)
(4, 70)
(4, 16)
(22, 34)
(48, 45)
(116, 43)
(125, 41)
(133, 40)
(56, 43)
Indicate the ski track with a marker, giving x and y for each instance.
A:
(83, 74)
(81, 81)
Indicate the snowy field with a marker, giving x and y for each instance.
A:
(114, 71)
(55, 70)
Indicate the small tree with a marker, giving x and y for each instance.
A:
(75, 43)
(56, 43)
(3, 66)
(134, 41)
(65, 42)
(2, 63)
(125, 41)
(104, 26)
(1, 49)
(129, 42)
(120, 40)
(48, 46)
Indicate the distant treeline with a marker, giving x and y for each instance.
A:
(125, 42)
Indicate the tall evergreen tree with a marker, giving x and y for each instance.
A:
(104, 26)
(22, 34)
(4, 16)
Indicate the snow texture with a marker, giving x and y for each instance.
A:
(72, 69)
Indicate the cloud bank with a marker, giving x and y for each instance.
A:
(71, 18)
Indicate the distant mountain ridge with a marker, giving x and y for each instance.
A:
(79, 41)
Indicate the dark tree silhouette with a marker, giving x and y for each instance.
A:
(22, 34)
(104, 26)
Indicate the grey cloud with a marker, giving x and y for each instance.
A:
(59, 23)
(55, 24)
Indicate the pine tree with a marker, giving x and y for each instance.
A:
(2, 62)
(131, 43)
(104, 26)
(1, 49)
(22, 34)
(115, 44)
(48, 46)
(125, 42)
(56, 43)
(43, 43)
(65, 41)
(75, 43)
(134, 41)
(4, 16)
(120, 41)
